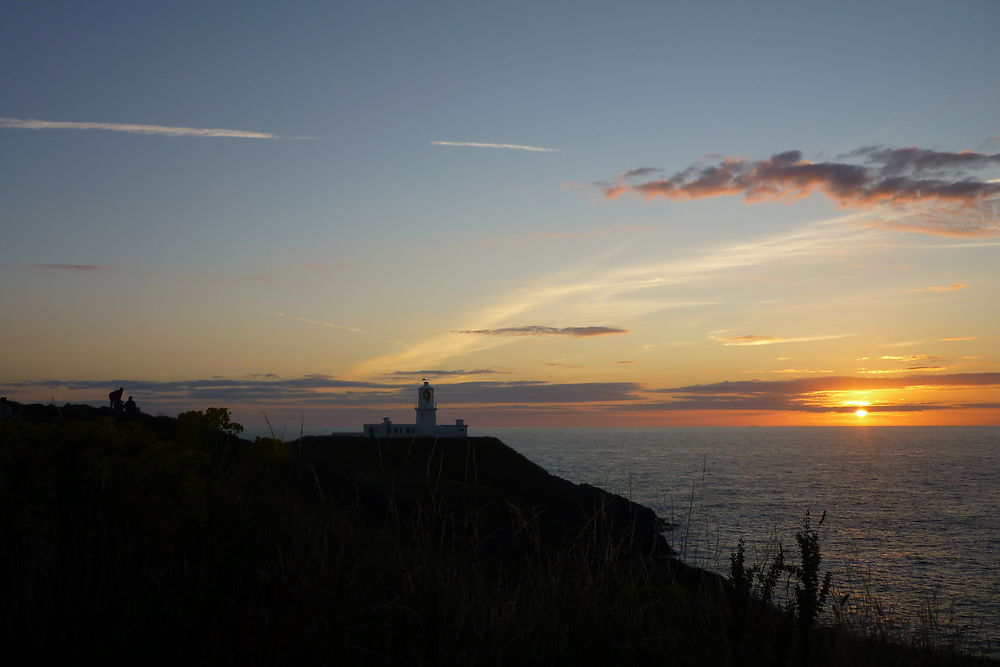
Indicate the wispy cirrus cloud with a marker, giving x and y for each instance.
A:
(908, 369)
(957, 219)
(444, 373)
(527, 392)
(69, 267)
(328, 325)
(957, 339)
(802, 371)
(133, 128)
(941, 288)
(617, 232)
(916, 189)
(908, 357)
(769, 340)
(593, 289)
(536, 330)
(750, 339)
(482, 144)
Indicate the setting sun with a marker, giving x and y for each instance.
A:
(860, 412)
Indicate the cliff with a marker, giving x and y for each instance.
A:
(482, 488)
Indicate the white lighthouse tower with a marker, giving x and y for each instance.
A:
(426, 410)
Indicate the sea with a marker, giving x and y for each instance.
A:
(908, 517)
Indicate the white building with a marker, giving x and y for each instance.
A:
(426, 421)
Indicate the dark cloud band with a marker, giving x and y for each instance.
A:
(536, 330)
(69, 267)
(319, 392)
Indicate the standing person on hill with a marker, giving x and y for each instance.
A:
(116, 399)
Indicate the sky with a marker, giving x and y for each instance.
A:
(559, 213)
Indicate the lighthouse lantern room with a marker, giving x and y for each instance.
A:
(426, 410)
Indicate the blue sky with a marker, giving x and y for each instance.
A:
(346, 244)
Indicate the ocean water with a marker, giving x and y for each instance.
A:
(912, 513)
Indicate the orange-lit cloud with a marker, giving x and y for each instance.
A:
(957, 339)
(941, 288)
(885, 177)
(894, 176)
(817, 394)
(906, 357)
(902, 370)
(536, 330)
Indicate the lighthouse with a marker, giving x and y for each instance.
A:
(426, 425)
(426, 410)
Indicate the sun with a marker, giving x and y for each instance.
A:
(860, 408)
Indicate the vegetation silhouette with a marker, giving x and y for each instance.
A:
(131, 537)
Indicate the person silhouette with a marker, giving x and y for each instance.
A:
(130, 407)
(116, 399)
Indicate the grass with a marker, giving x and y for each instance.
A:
(183, 544)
